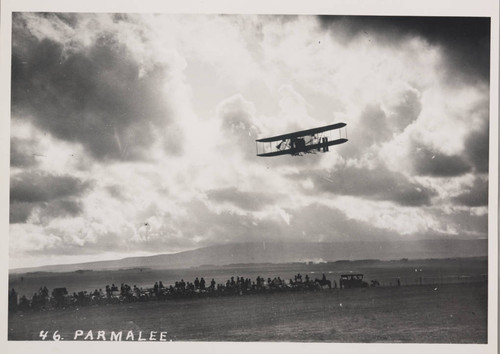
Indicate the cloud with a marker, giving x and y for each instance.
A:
(53, 196)
(98, 96)
(372, 128)
(252, 201)
(380, 123)
(331, 225)
(477, 147)
(428, 162)
(20, 211)
(147, 127)
(238, 125)
(474, 196)
(313, 222)
(22, 153)
(406, 111)
(377, 184)
(465, 222)
(41, 187)
(464, 40)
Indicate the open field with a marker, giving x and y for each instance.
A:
(449, 307)
(449, 313)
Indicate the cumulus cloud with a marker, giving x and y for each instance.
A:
(97, 96)
(476, 147)
(236, 115)
(378, 184)
(53, 195)
(19, 212)
(238, 125)
(406, 111)
(372, 128)
(22, 153)
(146, 127)
(465, 40)
(252, 201)
(39, 187)
(466, 222)
(429, 162)
(475, 195)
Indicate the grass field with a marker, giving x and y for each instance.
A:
(449, 313)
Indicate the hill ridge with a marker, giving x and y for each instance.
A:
(281, 252)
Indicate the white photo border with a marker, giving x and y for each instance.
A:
(483, 8)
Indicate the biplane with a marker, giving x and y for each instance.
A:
(302, 142)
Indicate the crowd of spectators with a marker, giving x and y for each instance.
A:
(60, 298)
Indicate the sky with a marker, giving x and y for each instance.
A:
(135, 134)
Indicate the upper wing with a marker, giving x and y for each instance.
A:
(302, 133)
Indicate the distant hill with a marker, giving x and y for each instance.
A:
(275, 252)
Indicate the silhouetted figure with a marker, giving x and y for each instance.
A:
(12, 300)
(58, 294)
(24, 304)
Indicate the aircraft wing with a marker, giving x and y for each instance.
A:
(304, 150)
(302, 133)
(275, 153)
(322, 144)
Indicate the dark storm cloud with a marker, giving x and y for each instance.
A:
(42, 187)
(477, 148)
(246, 200)
(427, 162)
(97, 96)
(476, 195)
(20, 211)
(465, 40)
(54, 196)
(22, 153)
(376, 184)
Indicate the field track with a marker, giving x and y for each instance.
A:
(450, 313)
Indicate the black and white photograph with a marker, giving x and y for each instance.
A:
(251, 177)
